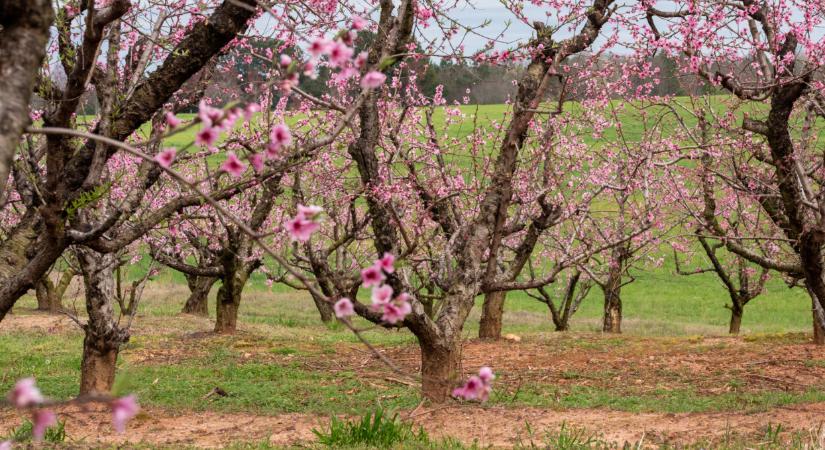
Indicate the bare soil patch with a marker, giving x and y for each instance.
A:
(488, 426)
(30, 320)
(706, 366)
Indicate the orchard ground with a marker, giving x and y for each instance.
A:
(673, 378)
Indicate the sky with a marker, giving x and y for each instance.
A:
(500, 18)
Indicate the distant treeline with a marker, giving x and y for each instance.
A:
(463, 82)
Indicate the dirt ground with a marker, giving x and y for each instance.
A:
(487, 426)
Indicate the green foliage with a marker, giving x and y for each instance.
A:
(23, 433)
(86, 199)
(374, 429)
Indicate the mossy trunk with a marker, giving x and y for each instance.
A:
(324, 309)
(47, 299)
(103, 337)
(736, 314)
(198, 301)
(228, 301)
(491, 315)
(819, 333)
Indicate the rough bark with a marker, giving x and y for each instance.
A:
(440, 368)
(562, 325)
(613, 292)
(24, 33)
(491, 315)
(736, 313)
(612, 310)
(98, 367)
(819, 330)
(198, 301)
(47, 296)
(229, 300)
(103, 337)
(324, 309)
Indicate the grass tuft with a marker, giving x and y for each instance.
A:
(374, 429)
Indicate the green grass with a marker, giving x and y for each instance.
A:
(374, 429)
(662, 400)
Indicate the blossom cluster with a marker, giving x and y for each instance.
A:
(477, 387)
(393, 308)
(301, 227)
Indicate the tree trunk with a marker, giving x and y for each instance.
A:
(819, 333)
(612, 305)
(97, 369)
(612, 311)
(104, 337)
(324, 309)
(227, 317)
(440, 365)
(198, 301)
(613, 292)
(24, 37)
(229, 301)
(563, 324)
(47, 298)
(491, 315)
(736, 313)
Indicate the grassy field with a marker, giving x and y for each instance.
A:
(284, 361)
(674, 379)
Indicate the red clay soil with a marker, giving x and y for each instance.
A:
(496, 427)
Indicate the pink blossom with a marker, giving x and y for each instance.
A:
(208, 115)
(343, 308)
(272, 150)
(166, 157)
(172, 121)
(123, 410)
(339, 54)
(250, 110)
(280, 135)
(43, 418)
(233, 165)
(5, 445)
(358, 23)
(309, 69)
(381, 295)
(471, 390)
(206, 137)
(289, 81)
(318, 47)
(309, 212)
(395, 312)
(300, 228)
(285, 60)
(25, 393)
(476, 387)
(361, 60)
(386, 263)
(372, 80)
(372, 276)
(486, 374)
(257, 161)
